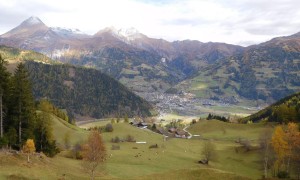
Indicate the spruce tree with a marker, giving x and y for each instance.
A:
(22, 106)
(4, 91)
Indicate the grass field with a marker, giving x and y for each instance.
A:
(174, 159)
(218, 130)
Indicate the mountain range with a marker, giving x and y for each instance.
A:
(264, 72)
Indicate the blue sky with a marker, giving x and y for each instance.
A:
(242, 22)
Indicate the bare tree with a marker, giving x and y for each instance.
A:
(246, 144)
(93, 153)
(209, 151)
(265, 145)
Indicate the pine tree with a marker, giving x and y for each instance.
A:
(22, 106)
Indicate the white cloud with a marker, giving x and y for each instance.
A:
(237, 22)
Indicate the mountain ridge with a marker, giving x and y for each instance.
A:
(149, 65)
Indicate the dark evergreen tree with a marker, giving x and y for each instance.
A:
(22, 105)
(44, 134)
(4, 93)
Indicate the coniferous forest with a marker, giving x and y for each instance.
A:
(21, 117)
(85, 92)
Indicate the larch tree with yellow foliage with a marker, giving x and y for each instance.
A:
(280, 146)
(29, 148)
(291, 137)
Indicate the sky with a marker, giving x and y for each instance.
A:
(240, 22)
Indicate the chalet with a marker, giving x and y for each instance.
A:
(172, 130)
(139, 124)
(162, 131)
(180, 134)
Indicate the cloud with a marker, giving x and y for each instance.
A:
(238, 22)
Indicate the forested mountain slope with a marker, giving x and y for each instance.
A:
(283, 111)
(82, 91)
(86, 92)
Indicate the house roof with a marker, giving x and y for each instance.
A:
(180, 132)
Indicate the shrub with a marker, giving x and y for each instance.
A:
(194, 121)
(115, 147)
(3, 142)
(283, 175)
(126, 120)
(129, 138)
(76, 151)
(51, 149)
(112, 121)
(115, 140)
(246, 144)
(153, 146)
(109, 128)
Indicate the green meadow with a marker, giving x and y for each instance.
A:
(173, 159)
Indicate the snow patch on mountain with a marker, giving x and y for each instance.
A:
(33, 21)
(66, 31)
(125, 34)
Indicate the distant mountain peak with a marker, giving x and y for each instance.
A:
(33, 20)
(128, 34)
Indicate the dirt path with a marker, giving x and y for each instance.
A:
(190, 135)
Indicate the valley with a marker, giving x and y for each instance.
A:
(151, 108)
(253, 76)
(187, 104)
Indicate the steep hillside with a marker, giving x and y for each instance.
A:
(265, 72)
(283, 111)
(82, 91)
(86, 92)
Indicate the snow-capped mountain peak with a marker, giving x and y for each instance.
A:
(32, 21)
(128, 32)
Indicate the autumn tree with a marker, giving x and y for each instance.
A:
(280, 147)
(29, 148)
(209, 151)
(291, 136)
(296, 157)
(93, 153)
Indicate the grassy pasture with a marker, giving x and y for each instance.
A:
(174, 159)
